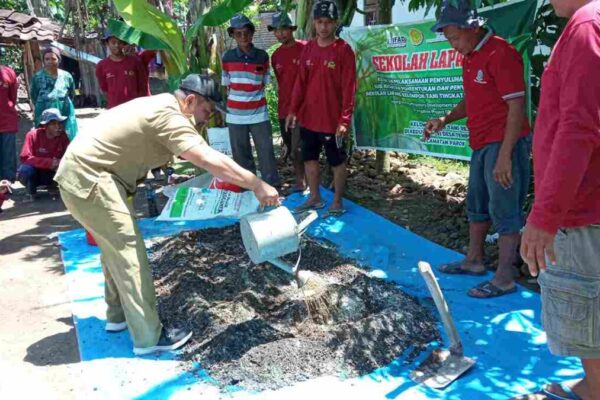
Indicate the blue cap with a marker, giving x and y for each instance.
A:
(51, 114)
(461, 15)
(327, 9)
(239, 21)
(281, 20)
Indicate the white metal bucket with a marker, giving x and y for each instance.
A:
(271, 234)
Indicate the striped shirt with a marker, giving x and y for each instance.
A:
(246, 74)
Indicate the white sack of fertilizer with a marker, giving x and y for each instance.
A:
(190, 204)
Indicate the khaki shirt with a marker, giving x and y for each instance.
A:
(125, 142)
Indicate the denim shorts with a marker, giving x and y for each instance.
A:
(487, 199)
(571, 294)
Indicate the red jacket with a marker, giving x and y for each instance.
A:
(39, 150)
(123, 80)
(323, 96)
(566, 141)
(9, 119)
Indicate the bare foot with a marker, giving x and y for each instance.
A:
(579, 387)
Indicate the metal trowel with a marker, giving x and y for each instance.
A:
(442, 366)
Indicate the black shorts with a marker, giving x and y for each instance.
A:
(313, 141)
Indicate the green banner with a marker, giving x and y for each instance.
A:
(407, 74)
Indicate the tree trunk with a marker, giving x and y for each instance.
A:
(382, 158)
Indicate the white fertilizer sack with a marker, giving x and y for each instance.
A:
(189, 204)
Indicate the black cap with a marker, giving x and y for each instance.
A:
(327, 9)
(239, 21)
(204, 86)
(281, 20)
(461, 15)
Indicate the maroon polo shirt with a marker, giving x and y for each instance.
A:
(492, 74)
(566, 142)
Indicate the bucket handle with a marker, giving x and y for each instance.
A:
(310, 218)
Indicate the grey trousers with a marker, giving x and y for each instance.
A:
(262, 135)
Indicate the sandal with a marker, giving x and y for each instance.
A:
(571, 395)
(454, 268)
(334, 213)
(489, 290)
(307, 207)
(296, 189)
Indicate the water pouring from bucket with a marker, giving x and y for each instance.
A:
(269, 235)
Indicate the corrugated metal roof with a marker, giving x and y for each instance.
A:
(15, 26)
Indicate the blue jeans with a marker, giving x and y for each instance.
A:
(32, 177)
(8, 156)
(487, 199)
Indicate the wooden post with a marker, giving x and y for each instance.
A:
(28, 70)
(382, 158)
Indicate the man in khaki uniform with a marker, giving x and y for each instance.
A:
(102, 167)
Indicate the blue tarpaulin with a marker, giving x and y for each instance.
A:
(504, 335)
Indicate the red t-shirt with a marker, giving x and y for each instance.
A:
(39, 150)
(9, 119)
(323, 94)
(492, 74)
(566, 143)
(123, 80)
(285, 61)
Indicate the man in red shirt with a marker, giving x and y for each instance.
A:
(9, 123)
(561, 241)
(285, 61)
(499, 134)
(121, 77)
(42, 150)
(323, 103)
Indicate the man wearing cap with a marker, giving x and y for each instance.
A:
(285, 61)
(42, 151)
(499, 134)
(323, 103)
(121, 77)
(102, 167)
(561, 241)
(9, 122)
(245, 74)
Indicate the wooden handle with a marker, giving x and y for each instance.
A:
(434, 288)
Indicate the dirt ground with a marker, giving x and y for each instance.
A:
(37, 337)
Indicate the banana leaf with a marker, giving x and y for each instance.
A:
(215, 17)
(149, 20)
(131, 35)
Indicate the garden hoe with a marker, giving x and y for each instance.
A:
(442, 366)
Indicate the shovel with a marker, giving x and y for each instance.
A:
(442, 366)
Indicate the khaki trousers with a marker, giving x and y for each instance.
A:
(129, 288)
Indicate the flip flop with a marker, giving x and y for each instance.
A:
(490, 290)
(454, 268)
(308, 207)
(570, 393)
(334, 213)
